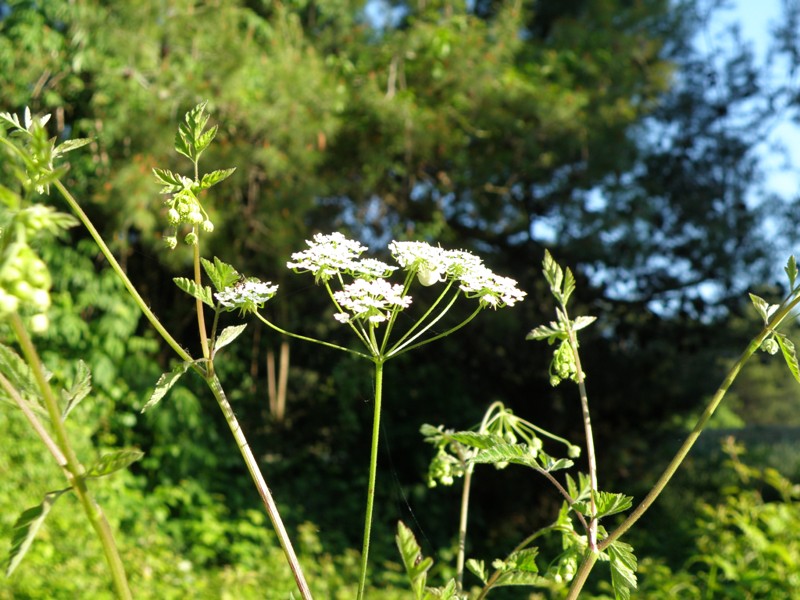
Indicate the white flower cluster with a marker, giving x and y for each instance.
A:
(248, 295)
(371, 300)
(329, 255)
(432, 264)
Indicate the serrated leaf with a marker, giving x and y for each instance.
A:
(415, 564)
(214, 177)
(477, 440)
(523, 560)
(227, 335)
(172, 182)
(17, 372)
(221, 274)
(789, 355)
(114, 461)
(552, 332)
(478, 568)
(27, 526)
(554, 464)
(165, 382)
(569, 286)
(200, 292)
(552, 272)
(623, 569)
(606, 503)
(71, 145)
(519, 454)
(81, 387)
(448, 592)
(791, 271)
(11, 120)
(582, 322)
(204, 139)
(510, 578)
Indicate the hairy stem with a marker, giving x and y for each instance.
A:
(74, 469)
(462, 527)
(373, 467)
(261, 486)
(201, 319)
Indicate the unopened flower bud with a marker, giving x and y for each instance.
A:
(171, 241)
(173, 216)
(39, 323)
(191, 238)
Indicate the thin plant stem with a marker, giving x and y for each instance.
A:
(398, 347)
(112, 261)
(670, 470)
(34, 421)
(373, 467)
(74, 469)
(214, 385)
(271, 325)
(587, 426)
(399, 351)
(201, 320)
(261, 486)
(462, 526)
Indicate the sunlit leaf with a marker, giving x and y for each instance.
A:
(551, 333)
(791, 271)
(114, 461)
(477, 440)
(81, 387)
(582, 322)
(71, 145)
(227, 335)
(190, 287)
(477, 568)
(221, 274)
(789, 354)
(623, 569)
(27, 526)
(214, 177)
(165, 382)
(415, 564)
(172, 182)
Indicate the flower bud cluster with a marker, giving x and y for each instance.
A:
(185, 209)
(24, 277)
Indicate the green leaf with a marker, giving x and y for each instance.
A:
(519, 578)
(478, 568)
(477, 440)
(204, 139)
(582, 322)
(764, 309)
(71, 145)
(114, 461)
(200, 292)
(415, 564)
(789, 354)
(221, 274)
(190, 139)
(165, 382)
(214, 177)
(519, 454)
(552, 464)
(17, 372)
(448, 592)
(791, 271)
(172, 182)
(27, 526)
(227, 335)
(81, 387)
(569, 286)
(552, 273)
(606, 504)
(623, 569)
(551, 333)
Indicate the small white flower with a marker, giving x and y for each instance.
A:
(327, 255)
(371, 300)
(247, 296)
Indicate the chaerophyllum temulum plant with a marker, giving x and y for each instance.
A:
(502, 438)
(368, 303)
(368, 297)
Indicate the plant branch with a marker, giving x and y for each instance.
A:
(74, 469)
(261, 485)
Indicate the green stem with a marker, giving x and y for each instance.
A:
(309, 339)
(121, 273)
(373, 468)
(261, 485)
(462, 527)
(201, 320)
(589, 558)
(398, 351)
(74, 469)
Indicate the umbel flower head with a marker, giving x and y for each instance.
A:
(330, 255)
(248, 295)
(373, 301)
(432, 264)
